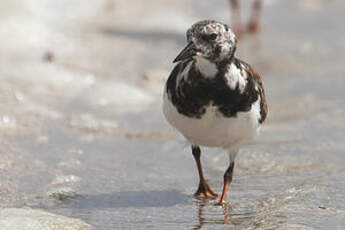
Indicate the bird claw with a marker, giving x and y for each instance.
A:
(205, 192)
(253, 27)
(221, 203)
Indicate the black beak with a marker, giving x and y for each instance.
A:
(188, 52)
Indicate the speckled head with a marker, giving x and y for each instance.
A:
(211, 40)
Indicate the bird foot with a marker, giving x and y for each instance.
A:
(239, 31)
(253, 27)
(205, 192)
(221, 203)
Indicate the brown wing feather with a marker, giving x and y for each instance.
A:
(263, 104)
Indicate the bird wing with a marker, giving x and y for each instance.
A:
(263, 103)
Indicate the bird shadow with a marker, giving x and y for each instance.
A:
(129, 199)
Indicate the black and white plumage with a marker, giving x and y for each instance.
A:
(213, 98)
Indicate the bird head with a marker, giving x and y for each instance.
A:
(209, 39)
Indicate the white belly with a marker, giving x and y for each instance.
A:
(213, 129)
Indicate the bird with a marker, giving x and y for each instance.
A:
(213, 98)
(253, 25)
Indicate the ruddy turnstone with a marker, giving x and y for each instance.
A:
(253, 25)
(213, 98)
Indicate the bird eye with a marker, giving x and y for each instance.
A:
(213, 36)
(210, 37)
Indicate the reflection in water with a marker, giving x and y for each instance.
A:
(208, 213)
(205, 206)
(200, 216)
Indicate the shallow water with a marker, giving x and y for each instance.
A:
(84, 136)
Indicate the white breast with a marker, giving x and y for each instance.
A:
(213, 129)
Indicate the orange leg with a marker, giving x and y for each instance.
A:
(236, 18)
(227, 182)
(254, 26)
(204, 190)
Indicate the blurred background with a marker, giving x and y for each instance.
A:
(83, 136)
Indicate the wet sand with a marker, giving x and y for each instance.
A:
(83, 133)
